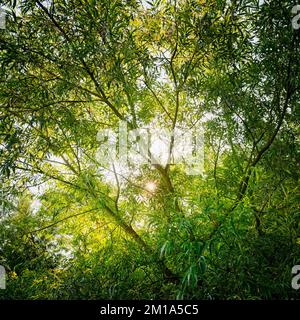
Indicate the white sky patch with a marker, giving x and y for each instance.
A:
(129, 152)
(35, 206)
(145, 4)
(207, 117)
(2, 18)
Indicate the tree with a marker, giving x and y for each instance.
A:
(72, 69)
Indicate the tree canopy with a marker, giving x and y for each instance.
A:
(78, 226)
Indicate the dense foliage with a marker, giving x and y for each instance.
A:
(74, 226)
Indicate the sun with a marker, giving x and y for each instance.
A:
(150, 186)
